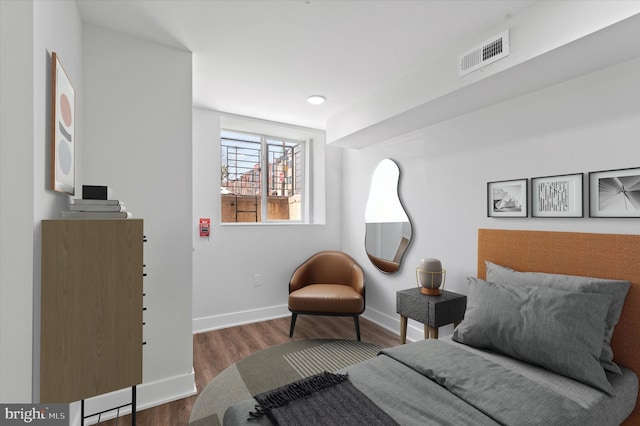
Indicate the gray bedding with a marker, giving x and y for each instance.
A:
(435, 382)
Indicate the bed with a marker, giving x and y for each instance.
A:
(505, 363)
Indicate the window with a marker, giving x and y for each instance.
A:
(253, 165)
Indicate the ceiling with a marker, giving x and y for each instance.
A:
(262, 58)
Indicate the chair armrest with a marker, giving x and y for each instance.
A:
(357, 278)
(299, 278)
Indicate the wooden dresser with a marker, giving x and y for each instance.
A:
(91, 307)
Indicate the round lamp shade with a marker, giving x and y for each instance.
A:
(430, 276)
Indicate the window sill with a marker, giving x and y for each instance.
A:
(234, 224)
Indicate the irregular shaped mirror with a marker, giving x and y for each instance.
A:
(388, 229)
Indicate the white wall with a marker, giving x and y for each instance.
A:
(16, 200)
(587, 124)
(138, 141)
(57, 28)
(550, 41)
(225, 263)
(30, 31)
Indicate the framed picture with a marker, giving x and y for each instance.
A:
(507, 198)
(614, 193)
(63, 103)
(557, 196)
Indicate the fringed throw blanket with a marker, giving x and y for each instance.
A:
(324, 399)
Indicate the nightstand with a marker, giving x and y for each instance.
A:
(432, 311)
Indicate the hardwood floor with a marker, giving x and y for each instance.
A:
(216, 350)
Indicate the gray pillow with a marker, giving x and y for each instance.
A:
(556, 329)
(616, 288)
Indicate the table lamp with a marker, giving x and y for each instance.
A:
(430, 277)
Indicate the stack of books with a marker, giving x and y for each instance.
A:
(96, 209)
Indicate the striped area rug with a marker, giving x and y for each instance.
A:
(274, 367)
(332, 356)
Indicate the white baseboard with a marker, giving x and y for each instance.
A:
(415, 331)
(215, 322)
(147, 395)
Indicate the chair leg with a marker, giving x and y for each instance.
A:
(293, 323)
(356, 320)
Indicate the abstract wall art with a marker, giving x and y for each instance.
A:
(557, 196)
(615, 193)
(507, 198)
(62, 129)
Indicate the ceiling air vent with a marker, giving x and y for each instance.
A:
(495, 48)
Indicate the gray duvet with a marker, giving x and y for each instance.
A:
(435, 382)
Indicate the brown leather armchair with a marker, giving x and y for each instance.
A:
(328, 283)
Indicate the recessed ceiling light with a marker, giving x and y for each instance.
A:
(316, 99)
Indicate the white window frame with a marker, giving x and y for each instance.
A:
(264, 142)
(315, 201)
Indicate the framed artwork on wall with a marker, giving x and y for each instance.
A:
(507, 198)
(614, 193)
(557, 196)
(63, 102)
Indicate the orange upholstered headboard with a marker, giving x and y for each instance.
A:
(611, 256)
